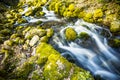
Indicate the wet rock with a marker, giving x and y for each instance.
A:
(34, 40)
(70, 34)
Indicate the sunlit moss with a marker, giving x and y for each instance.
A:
(71, 7)
(81, 14)
(115, 26)
(97, 15)
(70, 34)
(88, 17)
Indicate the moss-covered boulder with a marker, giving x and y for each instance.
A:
(88, 17)
(56, 67)
(83, 35)
(70, 34)
(98, 14)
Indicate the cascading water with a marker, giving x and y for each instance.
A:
(94, 55)
(97, 57)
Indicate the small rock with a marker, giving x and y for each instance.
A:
(34, 40)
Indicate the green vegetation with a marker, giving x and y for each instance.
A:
(70, 34)
(83, 35)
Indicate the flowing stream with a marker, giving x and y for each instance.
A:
(93, 54)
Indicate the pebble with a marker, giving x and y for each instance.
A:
(34, 40)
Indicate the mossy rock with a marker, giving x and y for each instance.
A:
(70, 34)
(71, 7)
(44, 51)
(115, 26)
(88, 17)
(81, 14)
(98, 15)
(83, 35)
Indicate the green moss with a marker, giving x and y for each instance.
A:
(29, 12)
(36, 75)
(114, 43)
(83, 35)
(17, 40)
(22, 20)
(81, 14)
(71, 7)
(39, 14)
(44, 39)
(88, 17)
(50, 32)
(62, 9)
(44, 51)
(80, 74)
(20, 10)
(97, 15)
(70, 34)
(52, 6)
(115, 26)
(5, 31)
(24, 70)
(57, 6)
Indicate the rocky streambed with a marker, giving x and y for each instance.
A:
(37, 44)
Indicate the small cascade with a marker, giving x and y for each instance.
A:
(97, 57)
